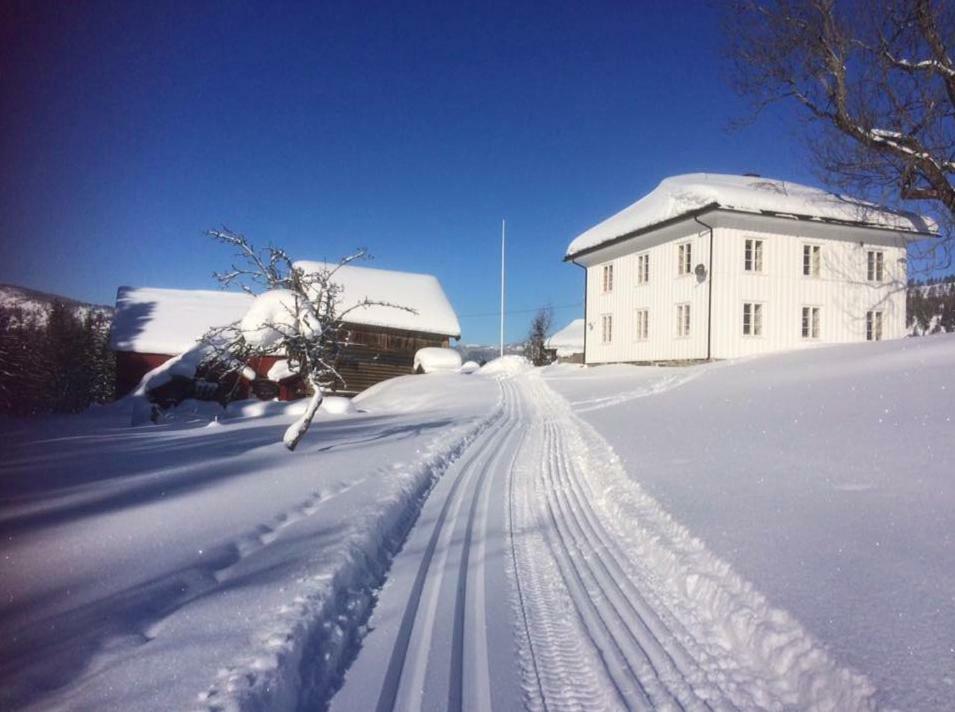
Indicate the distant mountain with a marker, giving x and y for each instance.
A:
(31, 305)
(481, 353)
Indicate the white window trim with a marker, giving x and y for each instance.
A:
(639, 335)
(813, 309)
(606, 285)
(643, 260)
(684, 319)
(758, 265)
(606, 334)
(875, 315)
(681, 254)
(877, 266)
(753, 322)
(802, 262)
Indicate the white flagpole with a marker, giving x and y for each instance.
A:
(503, 229)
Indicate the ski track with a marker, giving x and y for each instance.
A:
(298, 660)
(673, 626)
(613, 604)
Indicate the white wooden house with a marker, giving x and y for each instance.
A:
(710, 266)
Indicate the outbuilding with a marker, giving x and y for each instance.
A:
(712, 266)
(152, 325)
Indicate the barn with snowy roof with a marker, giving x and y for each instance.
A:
(710, 266)
(152, 325)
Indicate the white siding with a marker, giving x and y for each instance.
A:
(660, 296)
(842, 291)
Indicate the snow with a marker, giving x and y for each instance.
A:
(770, 533)
(434, 359)
(679, 195)
(422, 293)
(469, 367)
(508, 364)
(823, 478)
(274, 316)
(170, 321)
(183, 566)
(569, 340)
(280, 370)
(338, 405)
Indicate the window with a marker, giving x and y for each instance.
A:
(643, 324)
(606, 328)
(873, 326)
(686, 258)
(608, 278)
(811, 260)
(683, 320)
(643, 268)
(752, 319)
(875, 268)
(753, 256)
(810, 322)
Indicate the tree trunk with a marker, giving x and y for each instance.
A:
(298, 429)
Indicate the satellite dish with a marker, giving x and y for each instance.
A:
(700, 271)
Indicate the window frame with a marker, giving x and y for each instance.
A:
(683, 320)
(641, 326)
(685, 258)
(643, 268)
(606, 281)
(753, 255)
(874, 325)
(606, 329)
(875, 266)
(753, 319)
(810, 325)
(813, 251)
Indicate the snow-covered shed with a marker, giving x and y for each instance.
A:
(567, 345)
(152, 325)
(710, 266)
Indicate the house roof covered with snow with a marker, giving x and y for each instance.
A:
(569, 340)
(681, 196)
(169, 321)
(433, 313)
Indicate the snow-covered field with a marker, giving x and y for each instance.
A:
(773, 533)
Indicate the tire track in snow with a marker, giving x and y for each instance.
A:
(674, 627)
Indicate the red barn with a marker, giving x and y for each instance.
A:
(153, 325)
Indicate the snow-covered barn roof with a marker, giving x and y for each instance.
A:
(569, 340)
(421, 292)
(169, 321)
(679, 196)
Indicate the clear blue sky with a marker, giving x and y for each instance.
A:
(130, 127)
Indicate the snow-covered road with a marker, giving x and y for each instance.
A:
(540, 576)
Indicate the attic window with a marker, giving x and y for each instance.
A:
(685, 257)
(607, 278)
(875, 265)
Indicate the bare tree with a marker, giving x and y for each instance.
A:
(876, 81)
(537, 336)
(296, 314)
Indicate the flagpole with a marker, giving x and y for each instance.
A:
(503, 232)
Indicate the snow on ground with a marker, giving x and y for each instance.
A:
(772, 533)
(824, 478)
(193, 563)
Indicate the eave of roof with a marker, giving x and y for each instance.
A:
(712, 207)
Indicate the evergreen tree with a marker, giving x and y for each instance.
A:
(537, 337)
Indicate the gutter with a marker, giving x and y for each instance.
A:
(586, 277)
(709, 298)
